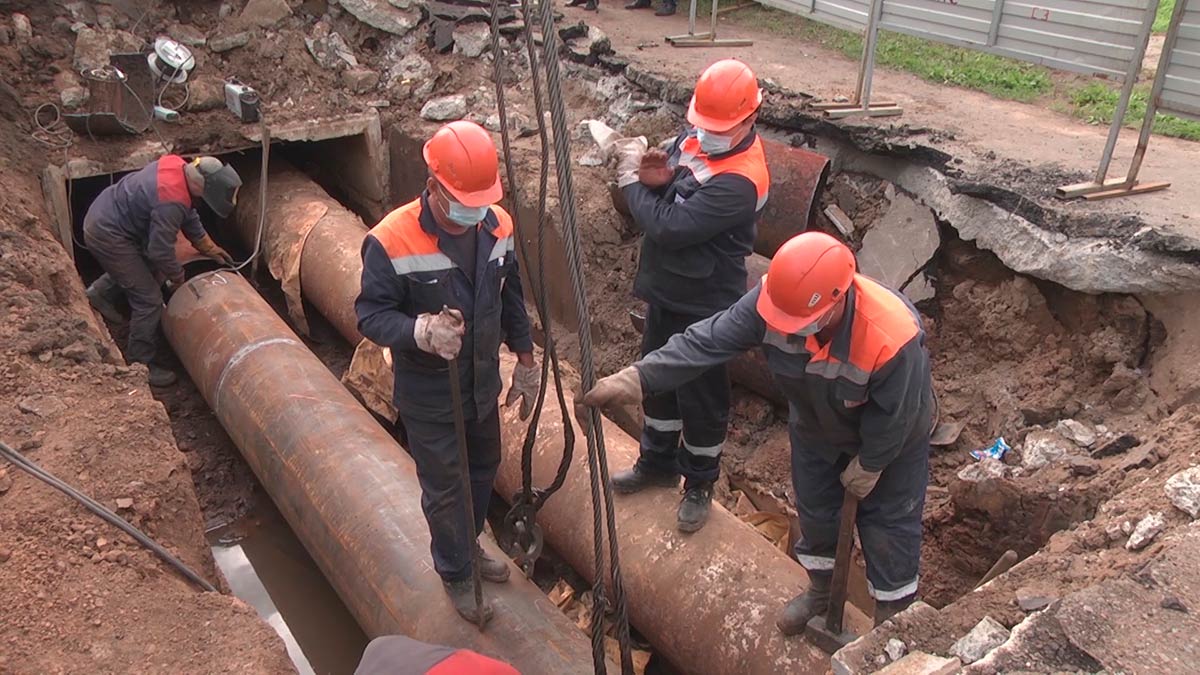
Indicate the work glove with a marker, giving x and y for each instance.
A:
(209, 248)
(653, 171)
(857, 480)
(622, 387)
(526, 382)
(629, 152)
(440, 334)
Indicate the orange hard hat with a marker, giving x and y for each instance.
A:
(807, 276)
(726, 94)
(462, 156)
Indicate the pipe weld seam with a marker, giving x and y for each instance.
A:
(237, 358)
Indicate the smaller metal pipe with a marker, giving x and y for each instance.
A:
(692, 18)
(868, 69)
(994, 29)
(712, 32)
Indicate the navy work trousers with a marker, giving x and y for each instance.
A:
(126, 269)
(434, 448)
(889, 519)
(696, 413)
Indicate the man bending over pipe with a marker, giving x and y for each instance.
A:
(850, 356)
(696, 206)
(440, 282)
(131, 229)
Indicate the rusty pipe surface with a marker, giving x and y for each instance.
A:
(330, 261)
(707, 601)
(798, 178)
(343, 484)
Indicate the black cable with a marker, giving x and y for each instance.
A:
(27, 465)
(597, 454)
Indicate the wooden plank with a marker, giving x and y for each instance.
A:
(832, 105)
(873, 112)
(1081, 189)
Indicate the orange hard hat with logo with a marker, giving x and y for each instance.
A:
(808, 275)
(726, 94)
(462, 156)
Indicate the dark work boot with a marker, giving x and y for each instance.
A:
(491, 569)
(591, 6)
(161, 377)
(462, 594)
(103, 304)
(576, 3)
(886, 609)
(637, 479)
(810, 603)
(694, 507)
(638, 4)
(667, 9)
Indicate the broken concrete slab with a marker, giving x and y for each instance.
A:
(1145, 531)
(920, 663)
(397, 17)
(265, 13)
(445, 108)
(1081, 433)
(472, 40)
(1037, 643)
(859, 657)
(329, 48)
(983, 638)
(919, 289)
(1044, 447)
(899, 243)
(1183, 489)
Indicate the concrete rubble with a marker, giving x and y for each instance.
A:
(265, 13)
(445, 108)
(899, 243)
(472, 39)
(1145, 531)
(1081, 433)
(1043, 447)
(1183, 489)
(360, 80)
(895, 649)
(229, 41)
(73, 97)
(920, 663)
(1031, 600)
(397, 17)
(983, 638)
(329, 48)
(411, 76)
(985, 469)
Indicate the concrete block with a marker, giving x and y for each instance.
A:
(983, 638)
(1183, 489)
(920, 663)
(900, 242)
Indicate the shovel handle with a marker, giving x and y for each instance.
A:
(841, 566)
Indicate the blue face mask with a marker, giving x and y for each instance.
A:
(713, 144)
(466, 216)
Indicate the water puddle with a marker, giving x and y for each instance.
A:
(268, 568)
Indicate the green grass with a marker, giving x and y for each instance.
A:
(1096, 103)
(932, 61)
(1162, 17)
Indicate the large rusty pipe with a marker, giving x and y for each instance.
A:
(707, 601)
(330, 262)
(798, 179)
(343, 484)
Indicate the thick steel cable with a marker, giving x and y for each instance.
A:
(597, 455)
(27, 465)
(538, 285)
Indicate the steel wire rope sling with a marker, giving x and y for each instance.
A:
(601, 490)
(522, 515)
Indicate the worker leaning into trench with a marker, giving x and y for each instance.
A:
(131, 230)
(440, 281)
(696, 204)
(849, 354)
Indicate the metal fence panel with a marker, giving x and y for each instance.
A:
(1181, 83)
(961, 22)
(847, 14)
(1086, 37)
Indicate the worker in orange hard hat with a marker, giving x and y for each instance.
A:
(696, 203)
(440, 282)
(849, 354)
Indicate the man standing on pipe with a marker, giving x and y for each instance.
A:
(696, 206)
(131, 229)
(850, 356)
(440, 282)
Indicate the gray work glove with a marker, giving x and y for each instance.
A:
(440, 334)
(526, 382)
(622, 387)
(629, 153)
(859, 481)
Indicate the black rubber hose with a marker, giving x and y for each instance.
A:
(27, 465)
